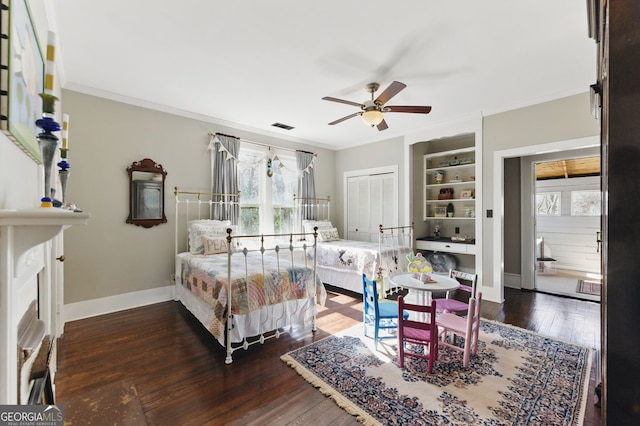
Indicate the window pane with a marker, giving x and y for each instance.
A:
(585, 203)
(282, 220)
(248, 180)
(249, 220)
(284, 183)
(548, 203)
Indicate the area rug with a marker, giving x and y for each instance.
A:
(589, 287)
(517, 378)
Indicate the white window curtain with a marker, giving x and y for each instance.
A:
(224, 177)
(307, 184)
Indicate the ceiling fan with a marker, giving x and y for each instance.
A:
(372, 110)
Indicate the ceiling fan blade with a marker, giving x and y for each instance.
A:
(340, 120)
(383, 125)
(406, 108)
(393, 89)
(342, 101)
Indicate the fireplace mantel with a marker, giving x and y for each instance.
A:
(21, 232)
(32, 227)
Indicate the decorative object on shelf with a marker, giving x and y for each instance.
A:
(48, 143)
(46, 139)
(438, 176)
(21, 59)
(440, 211)
(436, 230)
(450, 210)
(63, 173)
(466, 194)
(457, 238)
(445, 194)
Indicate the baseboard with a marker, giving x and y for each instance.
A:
(512, 280)
(120, 302)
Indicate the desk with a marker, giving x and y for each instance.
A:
(421, 292)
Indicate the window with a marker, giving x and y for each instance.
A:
(266, 203)
(585, 203)
(548, 203)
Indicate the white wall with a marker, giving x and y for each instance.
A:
(389, 152)
(571, 239)
(525, 131)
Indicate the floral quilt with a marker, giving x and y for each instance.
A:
(362, 257)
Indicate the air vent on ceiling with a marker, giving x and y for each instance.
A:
(282, 126)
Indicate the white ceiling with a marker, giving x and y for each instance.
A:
(249, 64)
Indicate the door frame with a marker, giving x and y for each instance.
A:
(526, 238)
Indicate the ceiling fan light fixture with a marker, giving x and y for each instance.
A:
(372, 117)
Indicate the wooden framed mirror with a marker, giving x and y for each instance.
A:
(146, 193)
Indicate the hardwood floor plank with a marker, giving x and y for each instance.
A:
(179, 372)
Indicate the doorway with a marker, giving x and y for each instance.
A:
(567, 212)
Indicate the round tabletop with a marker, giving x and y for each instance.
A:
(406, 280)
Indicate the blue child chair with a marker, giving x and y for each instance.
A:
(379, 314)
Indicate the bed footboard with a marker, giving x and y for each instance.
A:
(296, 261)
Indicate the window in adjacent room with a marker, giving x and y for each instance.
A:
(548, 203)
(585, 203)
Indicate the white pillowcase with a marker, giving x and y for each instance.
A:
(328, 234)
(308, 225)
(198, 228)
(214, 244)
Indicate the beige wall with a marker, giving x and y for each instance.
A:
(560, 120)
(110, 257)
(378, 154)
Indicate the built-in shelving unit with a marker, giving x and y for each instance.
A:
(450, 186)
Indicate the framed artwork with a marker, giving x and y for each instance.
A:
(440, 211)
(20, 53)
(466, 194)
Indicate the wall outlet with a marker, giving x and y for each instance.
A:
(172, 277)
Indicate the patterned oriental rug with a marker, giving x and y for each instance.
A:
(517, 378)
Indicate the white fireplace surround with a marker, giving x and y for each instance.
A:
(26, 240)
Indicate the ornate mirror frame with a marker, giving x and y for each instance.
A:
(146, 193)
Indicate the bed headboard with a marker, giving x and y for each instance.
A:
(194, 205)
(313, 208)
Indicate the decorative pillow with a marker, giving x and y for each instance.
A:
(308, 225)
(214, 244)
(328, 234)
(198, 228)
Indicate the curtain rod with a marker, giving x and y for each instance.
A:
(260, 143)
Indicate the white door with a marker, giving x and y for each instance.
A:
(371, 202)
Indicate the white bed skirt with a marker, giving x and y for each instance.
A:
(266, 319)
(348, 280)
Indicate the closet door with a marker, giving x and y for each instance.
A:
(371, 202)
(358, 215)
(382, 203)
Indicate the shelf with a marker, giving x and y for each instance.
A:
(457, 166)
(454, 200)
(448, 184)
(35, 226)
(471, 149)
(449, 218)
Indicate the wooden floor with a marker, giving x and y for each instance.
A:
(179, 372)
